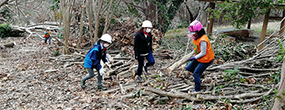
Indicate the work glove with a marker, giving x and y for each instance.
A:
(102, 72)
(192, 58)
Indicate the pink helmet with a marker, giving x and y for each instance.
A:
(195, 26)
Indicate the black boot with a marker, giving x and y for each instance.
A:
(102, 87)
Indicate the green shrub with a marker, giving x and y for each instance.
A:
(5, 30)
(184, 24)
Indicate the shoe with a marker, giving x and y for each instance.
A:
(197, 92)
(194, 92)
(102, 87)
(145, 68)
(82, 84)
(139, 79)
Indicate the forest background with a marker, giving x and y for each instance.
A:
(36, 75)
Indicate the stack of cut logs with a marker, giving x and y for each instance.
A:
(119, 66)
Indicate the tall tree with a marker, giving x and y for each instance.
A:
(160, 12)
(83, 7)
(67, 6)
(239, 12)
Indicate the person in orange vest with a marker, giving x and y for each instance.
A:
(47, 35)
(204, 54)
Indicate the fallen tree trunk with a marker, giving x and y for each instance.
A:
(11, 44)
(180, 62)
(172, 94)
(4, 2)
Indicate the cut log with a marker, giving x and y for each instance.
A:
(11, 44)
(116, 64)
(122, 58)
(237, 32)
(180, 62)
(117, 68)
(172, 94)
(109, 58)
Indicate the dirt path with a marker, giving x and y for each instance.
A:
(29, 79)
(32, 78)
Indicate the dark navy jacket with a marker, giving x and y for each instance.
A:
(94, 55)
(143, 44)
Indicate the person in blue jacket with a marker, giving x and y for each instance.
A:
(92, 60)
(143, 49)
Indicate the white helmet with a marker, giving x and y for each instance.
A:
(106, 38)
(146, 23)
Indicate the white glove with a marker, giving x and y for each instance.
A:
(102, 71)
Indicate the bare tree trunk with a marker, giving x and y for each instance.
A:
(190, 18)
(145, 9)
(100, 2)
(90, 19)
(55, 15)
(67, 9)
(81, 26)
(202, 14)
(152, 11)
(108, 17)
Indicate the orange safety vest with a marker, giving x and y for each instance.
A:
(47, 35)
(209, 52)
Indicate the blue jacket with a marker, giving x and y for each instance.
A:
(94, 55)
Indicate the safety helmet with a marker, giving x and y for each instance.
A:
(195, 26)
(106, 38)
(146, 23)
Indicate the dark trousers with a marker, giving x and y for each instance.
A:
(150, 62)
(91, 75)
(47, 38)
(197, 69)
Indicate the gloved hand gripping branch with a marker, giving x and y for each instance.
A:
(192, 58)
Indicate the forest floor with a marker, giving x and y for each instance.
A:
(33, 78)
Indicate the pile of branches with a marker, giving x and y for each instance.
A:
(124, 35)
(228, 50)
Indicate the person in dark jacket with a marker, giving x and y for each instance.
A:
(92, 60)
(143, 49)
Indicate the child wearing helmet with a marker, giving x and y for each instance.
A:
(92, 60)
(47, 35)
(204, 54)
(143, 49)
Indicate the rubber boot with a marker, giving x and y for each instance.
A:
(82, 84)
(102, 87)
